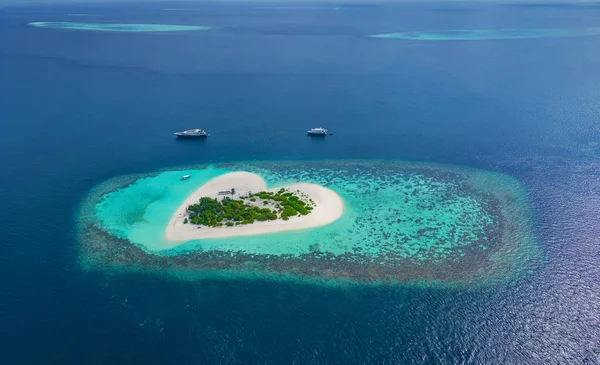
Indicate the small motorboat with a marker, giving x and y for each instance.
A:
(185, 177)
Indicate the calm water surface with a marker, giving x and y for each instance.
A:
(79, 107)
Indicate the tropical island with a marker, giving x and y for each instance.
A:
(398, 222)
(261, 207)
(214, 211)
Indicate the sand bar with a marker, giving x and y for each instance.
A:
(329, 207)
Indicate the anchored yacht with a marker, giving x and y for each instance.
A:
(192, 133)
(317, 131)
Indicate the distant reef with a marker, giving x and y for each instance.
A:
(402, 222)
(487, 34)
(110, 27)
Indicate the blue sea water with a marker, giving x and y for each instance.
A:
(77, 108)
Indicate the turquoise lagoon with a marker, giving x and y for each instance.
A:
(402, 222)
(109, 27)
(487, 34)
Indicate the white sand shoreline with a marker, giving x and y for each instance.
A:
(329, 207)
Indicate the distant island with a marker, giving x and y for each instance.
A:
(258, 207)
(113, 27)
(488, 34)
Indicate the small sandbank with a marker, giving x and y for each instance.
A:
(329, 206)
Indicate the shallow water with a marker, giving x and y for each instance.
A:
(406, 222)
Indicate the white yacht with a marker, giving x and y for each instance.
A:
(317, 131)
(192, 133)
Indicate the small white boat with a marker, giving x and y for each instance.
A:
(185, 177)
(317, 131)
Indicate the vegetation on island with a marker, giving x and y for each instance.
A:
(261, 207)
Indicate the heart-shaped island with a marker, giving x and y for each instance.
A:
(240, 204)
(351, 220)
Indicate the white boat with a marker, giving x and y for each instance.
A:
(317, 131)
(192, 133)
(185, 177)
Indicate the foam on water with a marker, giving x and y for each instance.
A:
(487, 34)
(401, 221)
(108, 27)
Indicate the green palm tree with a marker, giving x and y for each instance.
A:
(232, 191)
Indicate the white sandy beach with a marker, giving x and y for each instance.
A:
(329, 207)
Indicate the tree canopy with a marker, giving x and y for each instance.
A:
(247, 209)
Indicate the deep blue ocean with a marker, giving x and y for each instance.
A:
(79, 107)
